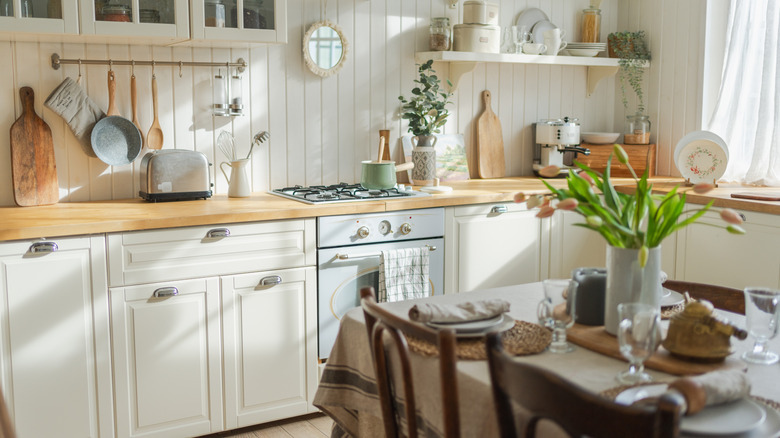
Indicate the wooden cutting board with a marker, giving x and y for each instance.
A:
(32, 157)
(490, 143)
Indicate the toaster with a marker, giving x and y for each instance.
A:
(175, 175)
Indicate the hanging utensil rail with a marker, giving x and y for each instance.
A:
(56, 62)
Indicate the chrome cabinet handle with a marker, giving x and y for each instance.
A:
(271, 280)
(218, 232)
(371, 254)
(166, 292)
(499, 209)
(42, 247)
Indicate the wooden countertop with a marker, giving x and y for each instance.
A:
(78, 218)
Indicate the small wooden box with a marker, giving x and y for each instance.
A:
(640, 156)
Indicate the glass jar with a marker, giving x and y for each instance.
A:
(114, 12)
(253, 19)
(591, 25)
(440, 34)
(637, 129)
(215, 13)
(27, 8)
(149, 15)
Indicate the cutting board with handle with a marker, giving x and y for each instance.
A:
(490, 143)
(32, 157)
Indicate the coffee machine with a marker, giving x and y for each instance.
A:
(554, 138)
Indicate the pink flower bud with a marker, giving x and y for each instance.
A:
(545, 211)
(702, 188)
(567, 204)
(730, 216)
(620, 153)
(586, 177)
(520, 197)
(550, 171)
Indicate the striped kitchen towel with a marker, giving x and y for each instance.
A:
(404, 274)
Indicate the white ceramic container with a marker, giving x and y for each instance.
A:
(480, 12)
(477, 38)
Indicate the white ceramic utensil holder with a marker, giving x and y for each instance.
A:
(238, 180)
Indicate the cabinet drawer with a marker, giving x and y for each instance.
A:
(180, 253)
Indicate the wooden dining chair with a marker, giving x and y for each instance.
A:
(6, 425)
(546, 395)
(380, 323)
(721, 297)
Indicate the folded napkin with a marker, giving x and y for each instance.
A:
(712, 388)
(468, 311)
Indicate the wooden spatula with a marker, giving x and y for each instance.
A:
(33, 168)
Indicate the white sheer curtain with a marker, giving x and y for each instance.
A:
(747, 112)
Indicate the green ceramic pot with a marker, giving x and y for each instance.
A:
(378, 175)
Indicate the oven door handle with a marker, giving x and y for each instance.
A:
(370, 254)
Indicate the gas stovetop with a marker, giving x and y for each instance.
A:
(341, 192)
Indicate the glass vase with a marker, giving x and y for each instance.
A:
(627, 282)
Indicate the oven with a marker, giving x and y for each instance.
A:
(348, 250)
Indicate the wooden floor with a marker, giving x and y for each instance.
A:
(308, 426)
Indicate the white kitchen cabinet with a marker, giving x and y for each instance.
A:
(270, 350)
(708, 254)
(167, 361)
(38, 17)
(154, 22)
(54, 337)
(261, 22)
(492, 245)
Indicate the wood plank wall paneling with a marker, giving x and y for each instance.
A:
(322, 128)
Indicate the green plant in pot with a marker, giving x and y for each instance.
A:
(631, 50)
(634, 225)
(426, 112)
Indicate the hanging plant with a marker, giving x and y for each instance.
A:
(632, 51)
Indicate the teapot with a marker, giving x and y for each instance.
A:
(697, 333)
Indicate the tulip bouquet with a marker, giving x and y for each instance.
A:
(641, 220)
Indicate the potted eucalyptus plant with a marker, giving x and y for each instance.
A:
(631, 50)
(426, 112)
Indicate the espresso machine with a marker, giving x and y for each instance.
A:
(554, 139)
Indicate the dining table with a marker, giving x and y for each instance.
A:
(348, 393)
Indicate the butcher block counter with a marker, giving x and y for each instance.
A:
(78, 218)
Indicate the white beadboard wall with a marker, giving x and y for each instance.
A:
(321, 129)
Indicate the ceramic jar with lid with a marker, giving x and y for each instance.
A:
(214, 13)
(440, 34)
(117, 12)
(480, 12)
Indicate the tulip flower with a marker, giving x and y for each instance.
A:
(702, 188)
(594, 221)
(620, 153)
(550, 171)
(735, 229)
(730, 216)
(644, 254)
(520, 197)
(567, 204)
(534, 201)
(586, 177)
(545, 211)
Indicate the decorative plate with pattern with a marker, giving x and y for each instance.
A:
(701, 156)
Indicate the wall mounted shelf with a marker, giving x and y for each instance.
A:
(465, 62)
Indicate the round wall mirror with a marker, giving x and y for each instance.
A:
(324, 48)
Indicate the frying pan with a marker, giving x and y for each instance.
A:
(115, 140)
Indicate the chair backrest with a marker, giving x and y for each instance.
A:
(546, 395)
(6, 425)
(380, 322)
(721, 297)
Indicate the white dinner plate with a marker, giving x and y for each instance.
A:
(729, 419)
(671, 298)
(504, 323)
(469, 326)
(701, 156)
(538, 30)
(528, 18)
(583, 52)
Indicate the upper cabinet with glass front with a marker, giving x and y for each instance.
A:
(28, 19)
(225, 22)
(145, 21)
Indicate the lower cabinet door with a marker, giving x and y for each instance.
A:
(270, 345)
(166, 341)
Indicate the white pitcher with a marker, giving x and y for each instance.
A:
(239, 178)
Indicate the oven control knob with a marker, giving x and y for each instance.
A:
(385, 228)
(363, 232)
(406, 228)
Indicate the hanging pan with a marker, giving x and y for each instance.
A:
(115, 140)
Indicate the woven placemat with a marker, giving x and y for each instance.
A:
(669, 312)
(611, 393)
(522, 339)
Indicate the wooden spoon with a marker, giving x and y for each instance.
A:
(381, 149)
(134, 102)
(112, 111)
(154, 139)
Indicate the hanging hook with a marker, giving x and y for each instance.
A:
(181, 63)
(132, 68)
(110, 65)
(78, 81)
(153, 76)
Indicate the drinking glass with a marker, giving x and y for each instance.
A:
(637, 332)
(554, 313)
(762, 311)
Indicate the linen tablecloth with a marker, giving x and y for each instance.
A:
(348, 393)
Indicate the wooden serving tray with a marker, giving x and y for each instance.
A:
(595, 338)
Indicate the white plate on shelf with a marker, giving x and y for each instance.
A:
(599, 137)
(529, 17)
(738, 419)
(539, 28)
(701, 156)
(583, 52)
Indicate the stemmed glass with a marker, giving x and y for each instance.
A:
(637, 334)
(762, 310)
(558, 319)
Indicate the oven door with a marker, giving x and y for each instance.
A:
(339, 281)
